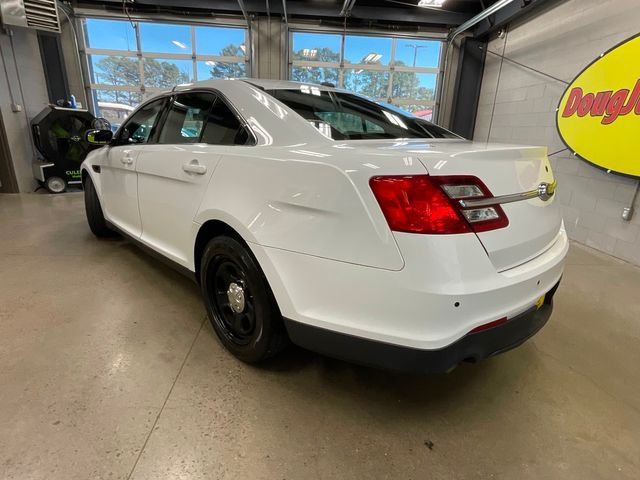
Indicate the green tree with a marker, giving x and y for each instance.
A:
(226, 69)
(316, 74)
(407, 85)
(121, 71)
(163, 74)
(368, 82)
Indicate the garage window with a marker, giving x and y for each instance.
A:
(130, 61)
(401, 71)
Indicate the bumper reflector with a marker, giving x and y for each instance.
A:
(489, 325)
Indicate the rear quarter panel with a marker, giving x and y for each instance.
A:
(274, 198)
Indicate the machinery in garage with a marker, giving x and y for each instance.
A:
(58, 134)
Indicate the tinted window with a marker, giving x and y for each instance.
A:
(345, 116)
(223, 127)
(138, 128)
(186, 118)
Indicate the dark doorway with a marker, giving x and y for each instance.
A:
(8, 183)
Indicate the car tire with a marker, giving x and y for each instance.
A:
(95, 217)
(55, 184)
(239, 301)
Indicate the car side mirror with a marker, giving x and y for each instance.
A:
(98, 137)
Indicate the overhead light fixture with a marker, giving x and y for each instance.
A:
(179, 44)
(431, 3)
(309, 52)
(372, 58)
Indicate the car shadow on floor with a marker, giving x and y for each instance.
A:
(305, 370)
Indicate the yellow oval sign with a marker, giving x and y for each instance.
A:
(599, 113)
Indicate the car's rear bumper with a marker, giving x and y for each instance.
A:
(471, 347)
(433, 302)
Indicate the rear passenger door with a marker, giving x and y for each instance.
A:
(176, 167)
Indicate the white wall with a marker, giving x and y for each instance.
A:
(519, 106)
(27, 82)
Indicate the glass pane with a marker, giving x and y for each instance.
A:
(353, 117)
(111, 34)
(367, 82)
(220, 41)
(423, 111)
(211, 69)
(223, 127)
(115, 105)
(186, 117)
(316, 46)
(166, 73)
(165, 38)
(314, 74)
(367, 50)
(138, 128)
(421, 86)
(112, 70)
(417, 53)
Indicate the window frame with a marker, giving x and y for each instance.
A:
(343, 65)
(140, 55)
(175, 95)
(219, 96)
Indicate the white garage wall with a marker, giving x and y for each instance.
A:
(24, 79)
(519, 106)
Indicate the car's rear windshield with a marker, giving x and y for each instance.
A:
(346, 116)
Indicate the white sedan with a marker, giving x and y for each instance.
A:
(313, 215)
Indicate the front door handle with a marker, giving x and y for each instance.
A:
(194, 167)
(126, 160)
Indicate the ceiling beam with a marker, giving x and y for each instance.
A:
(300, 8)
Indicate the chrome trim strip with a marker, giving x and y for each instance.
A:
(544, 191)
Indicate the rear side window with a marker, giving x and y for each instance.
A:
(223, 127)
(186, 118)
(138, 127)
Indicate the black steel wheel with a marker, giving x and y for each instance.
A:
(95, 217)
(233, 304)
(240, 304)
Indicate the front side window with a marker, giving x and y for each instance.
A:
(138, 128)
(345, 116)
(186, 118)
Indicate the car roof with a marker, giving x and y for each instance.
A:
(264, 84)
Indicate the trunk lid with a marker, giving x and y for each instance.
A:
(505, 169)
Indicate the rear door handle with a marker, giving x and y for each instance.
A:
(194, 167)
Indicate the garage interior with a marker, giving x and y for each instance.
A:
(109, 366)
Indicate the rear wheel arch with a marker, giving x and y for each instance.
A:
(208, 230)
(226, 226)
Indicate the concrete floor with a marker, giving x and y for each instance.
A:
(109, 370)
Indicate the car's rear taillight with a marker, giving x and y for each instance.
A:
(415, 204)
(426, 204)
